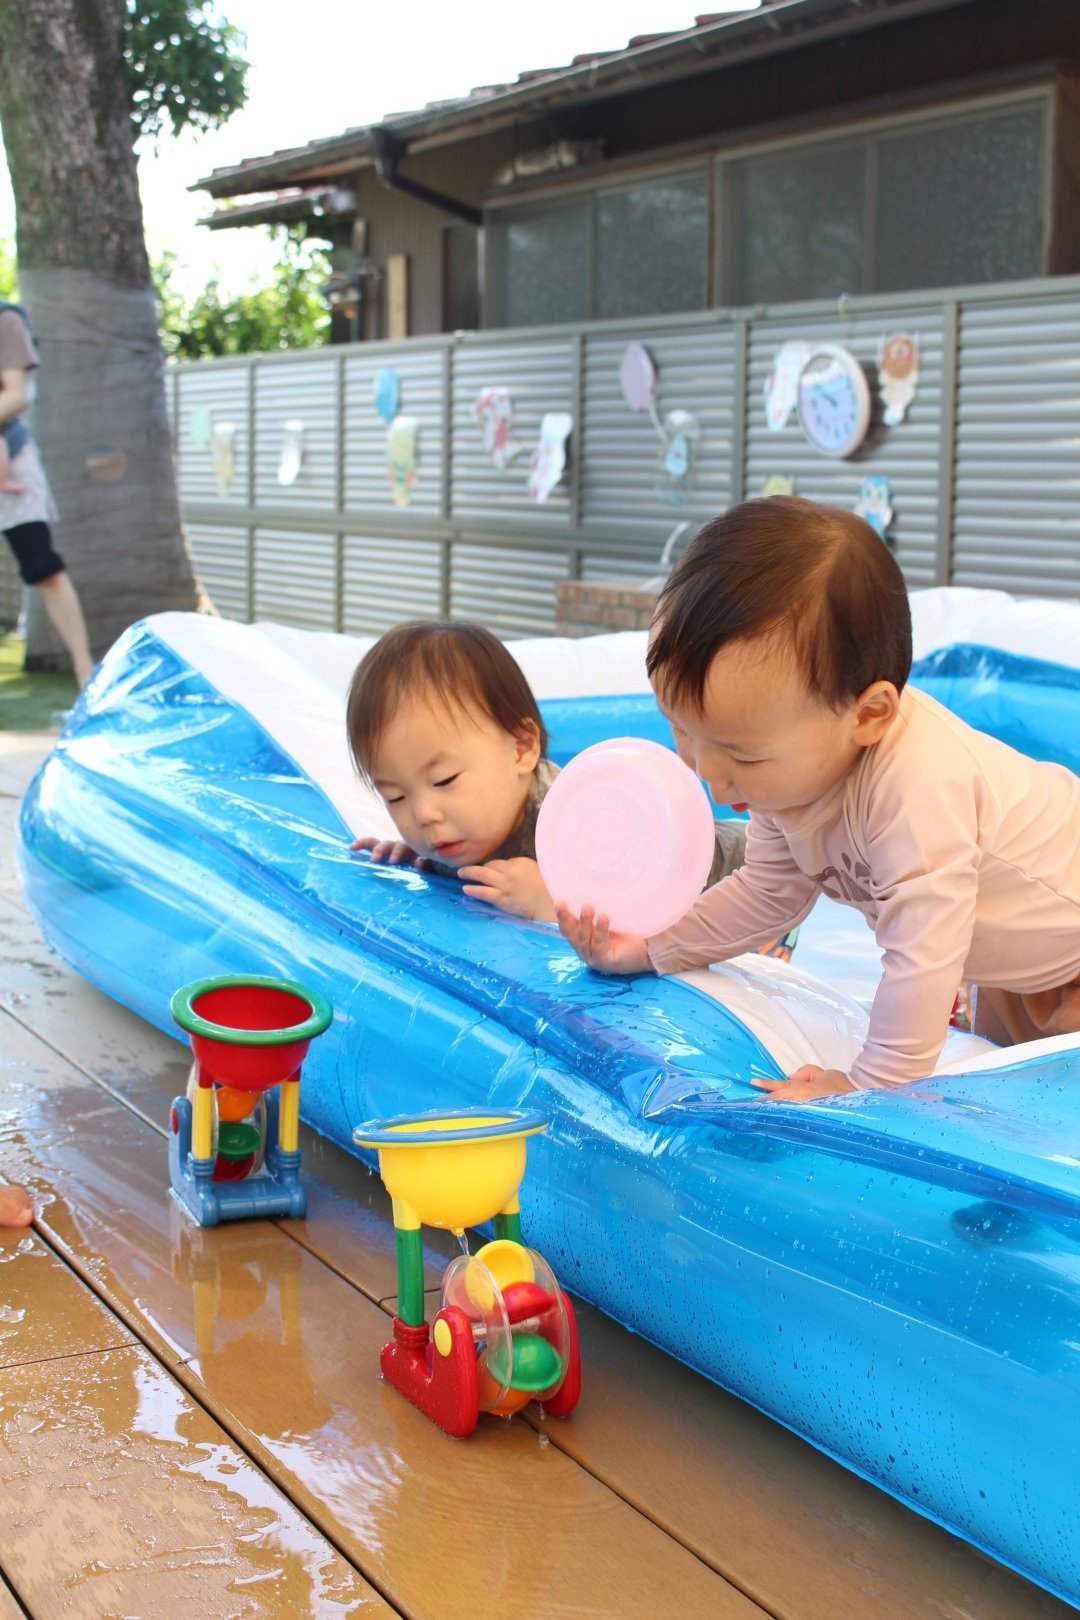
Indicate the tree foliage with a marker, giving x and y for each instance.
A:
(289, 313)
(184, 66)
(8, 271)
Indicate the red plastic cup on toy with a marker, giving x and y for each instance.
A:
(251, 1031)
(626, 828)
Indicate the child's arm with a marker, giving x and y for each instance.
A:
(750, 907)
(513, 885)
(924, 857)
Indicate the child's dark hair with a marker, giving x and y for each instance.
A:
(455, 663)
(817, 574)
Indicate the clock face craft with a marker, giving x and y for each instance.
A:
(833, 400)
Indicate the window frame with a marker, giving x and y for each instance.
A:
(870, 132)
(721, 163)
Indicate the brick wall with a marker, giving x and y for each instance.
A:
(591, 608)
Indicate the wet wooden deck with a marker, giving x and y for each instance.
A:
(193, 1422)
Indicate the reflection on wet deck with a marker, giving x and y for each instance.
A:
(193, 1421)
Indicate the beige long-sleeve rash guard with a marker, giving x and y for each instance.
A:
(963, 854)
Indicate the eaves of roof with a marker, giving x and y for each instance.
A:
(724, 40)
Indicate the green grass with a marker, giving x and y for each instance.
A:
(30, 702)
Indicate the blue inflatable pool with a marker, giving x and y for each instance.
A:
(894, 1276)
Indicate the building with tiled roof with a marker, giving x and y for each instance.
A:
(805, 149)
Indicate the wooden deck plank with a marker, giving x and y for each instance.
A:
(10, 1607)
(806, 1536)
(45, 1312)
(147, 1069)
(124, 1497)
(284, 1353)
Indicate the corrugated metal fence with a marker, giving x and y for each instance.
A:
(984, 470)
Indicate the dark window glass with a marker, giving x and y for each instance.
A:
(961, 203)
(461, 278)
(652, 248)
(545, 274)
(800, 225)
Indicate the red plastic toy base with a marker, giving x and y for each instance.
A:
(444, 1388)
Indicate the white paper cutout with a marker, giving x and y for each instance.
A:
(200, 426)
(898, 375)
(401, 454)
(292, 451)
(493, 412)
(224, 456)
(548, 461)
(781, 385)
(681, 434)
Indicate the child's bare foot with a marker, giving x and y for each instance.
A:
(16, 1206)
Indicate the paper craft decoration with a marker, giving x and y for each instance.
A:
(681, 435)
(637, 373)
(387, 393)
(548, 461)
(200, 426)
(778, 484)
(781, 385)
(875, 503)
(638, 377)
(224, 450)
(292, 451)
(493, 412)
(898, 375)
(401, 437)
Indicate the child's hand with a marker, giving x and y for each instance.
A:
(805, 1084)
(591, 936)
(514, 886)
(392, 850)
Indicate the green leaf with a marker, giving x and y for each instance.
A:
(184, 65)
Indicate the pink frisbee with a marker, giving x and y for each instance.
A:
(626, 828)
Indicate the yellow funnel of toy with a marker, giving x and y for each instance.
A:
(451, 1170)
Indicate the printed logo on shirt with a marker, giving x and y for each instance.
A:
(849, 883)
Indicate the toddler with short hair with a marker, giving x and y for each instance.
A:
(443, 724)
(780, 653)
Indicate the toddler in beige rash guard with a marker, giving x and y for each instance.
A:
(780, 653)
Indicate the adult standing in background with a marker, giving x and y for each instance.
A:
(27, 512)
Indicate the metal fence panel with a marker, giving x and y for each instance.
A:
(640, 563)
(295, 578)
(1017, 483)
(212, 410)
(907, 455)
(387, 580)
(511, 590)
(982, 469)
(537, 377)
(286, 395)
(221, 557)
(626, 488)
(367, 482)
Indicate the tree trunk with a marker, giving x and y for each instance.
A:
(100, 417)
